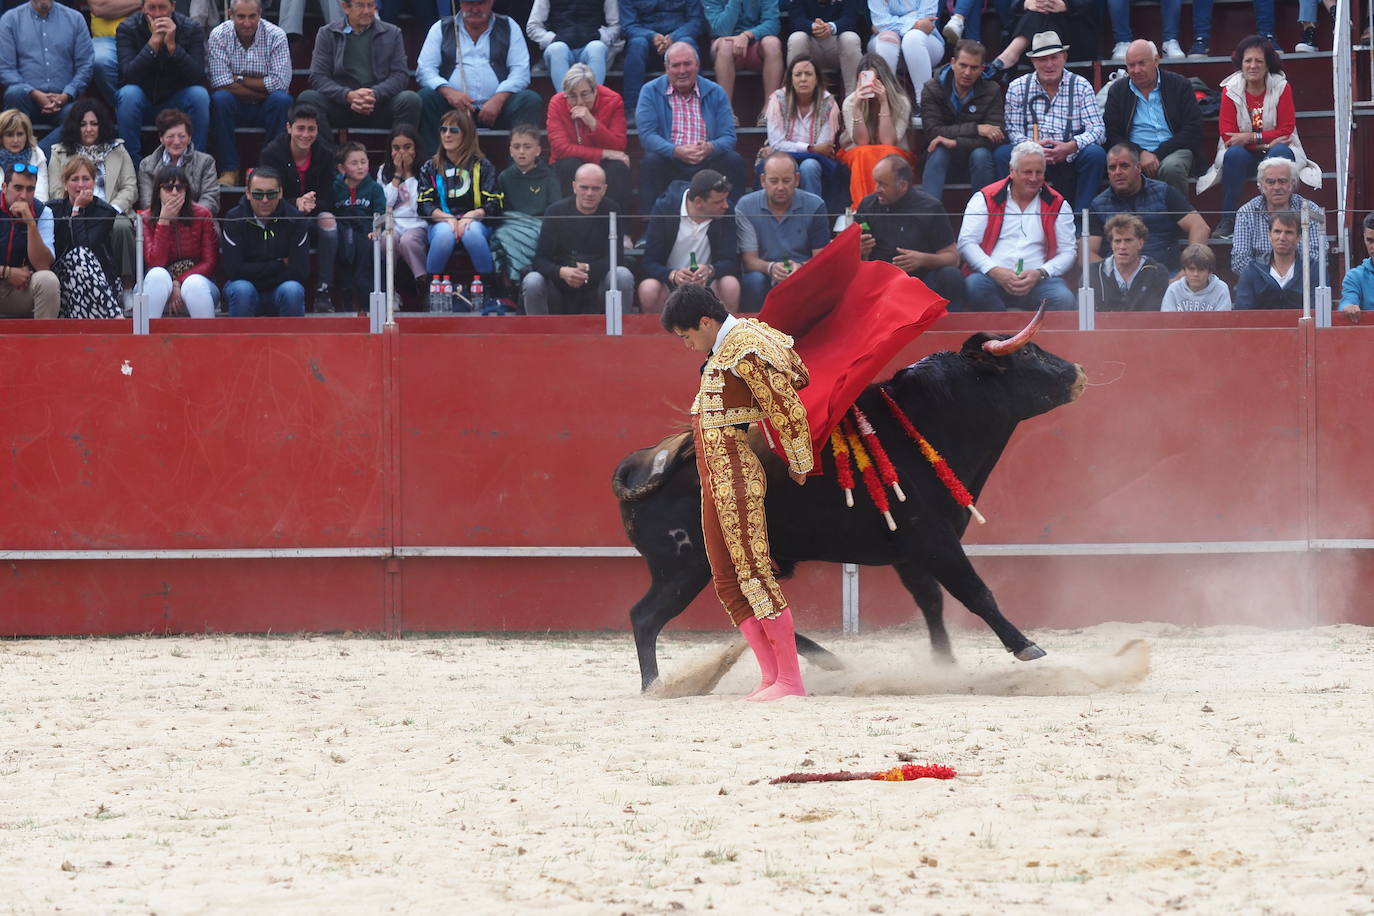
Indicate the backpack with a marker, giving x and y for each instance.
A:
(1208, 99)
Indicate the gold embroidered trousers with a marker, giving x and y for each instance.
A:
(733, 524)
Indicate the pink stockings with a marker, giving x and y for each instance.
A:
(775, 646)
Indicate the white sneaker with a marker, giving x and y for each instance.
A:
(916, 123)
(1173, 50)
(1119, 50)
(954, 29)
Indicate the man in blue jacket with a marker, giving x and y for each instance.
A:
(1277, 280)
(685, 125)
(689, 241)
(1357, 289)
(650, 28)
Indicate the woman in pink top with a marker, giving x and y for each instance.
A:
(803, 121)
(587, 124)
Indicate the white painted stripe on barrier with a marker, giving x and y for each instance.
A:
(208, 553)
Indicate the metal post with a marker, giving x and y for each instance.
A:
(849, 598)
(376, 300)
(140, 297)
(1087, 308)
(1305, 252)
(390, 267)
(1321, 297)
(614, 322)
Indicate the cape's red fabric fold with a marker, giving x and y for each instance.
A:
(849, 317)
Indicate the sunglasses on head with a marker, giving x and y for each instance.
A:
(23, 168)
(449, 129)
(265, 193)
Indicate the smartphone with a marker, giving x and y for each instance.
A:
(866, 78)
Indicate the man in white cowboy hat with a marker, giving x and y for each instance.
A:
(1057, 110)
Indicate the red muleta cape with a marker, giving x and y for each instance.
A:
(849, 318)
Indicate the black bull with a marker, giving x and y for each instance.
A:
(966, 404)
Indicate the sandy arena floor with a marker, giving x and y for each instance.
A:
(498, 775)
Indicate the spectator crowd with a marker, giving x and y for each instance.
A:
(870, 110)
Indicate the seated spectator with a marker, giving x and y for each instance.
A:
(966, 19)
(1198, 290)
(687, 227)
(528, 187)
(744, 35)
(17, 144)
(46, 60)
(875, 120)
(587, 124)
(827, 31)
(1128, 281)
(458, 193)
(399, 178)
(1057, 110)
(1278, 177)
(1357, 289)
(1276, 280)
(106, 16)
(1257, 121)
(265, 248)
(572, 270)
(685, 125)
(651, 27)
(1074, 20)
(305, 164)
(27, 284)
(90, 131)
(1120, 13)
(1307, 18)
(907, 26)
(161, 65)
(358, 72)
(778, 229)
(488, 77)
(1202, 25)
(175, 148)
(358, 201)
(82, 258)
(1157, 111)
(804, 122)
(249, 65)
(905, 226)
(180, 250)
(962, 114)
(1017, 239)
(1166, 213)
(575, 32)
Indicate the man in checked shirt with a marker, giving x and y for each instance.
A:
(1058, 111)
(249, 65)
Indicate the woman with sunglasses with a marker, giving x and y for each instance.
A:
(90, 131)
(399, 178)
(83, 261)
(180, 248)
(18, 144)
(458, 191)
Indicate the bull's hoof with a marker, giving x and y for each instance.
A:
(1030, 653)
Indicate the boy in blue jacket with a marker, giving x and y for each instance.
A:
(358, 199)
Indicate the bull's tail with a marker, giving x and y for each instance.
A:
(643, 472)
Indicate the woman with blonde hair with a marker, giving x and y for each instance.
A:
(876, 120)
(82, 251)
(19, 146)
(458, 192)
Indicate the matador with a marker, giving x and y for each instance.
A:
(750, 375)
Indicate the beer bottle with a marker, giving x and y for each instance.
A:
(692, 262)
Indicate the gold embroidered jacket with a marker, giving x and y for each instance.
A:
(763, 385)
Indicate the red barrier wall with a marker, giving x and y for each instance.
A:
(297, 435)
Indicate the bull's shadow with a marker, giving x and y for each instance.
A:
(966, 404)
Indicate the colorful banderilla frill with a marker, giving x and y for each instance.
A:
(942, 469)
(904, 773)
(870, 474)
(844, 471)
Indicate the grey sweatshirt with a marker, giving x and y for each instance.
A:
(1215, 297)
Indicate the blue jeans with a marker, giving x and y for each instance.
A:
(1120, 12)
(657, 172)
(106, 67)
(982, 294)
(1238, 166)
(232, 112)
(972, 11)
(288, 300)
(20, 99)
(1202, 18)
(638, 52)
(134, 110)
(558, 58)
(476, 242)
(980, 169)
(753, 289)
(1079, 180)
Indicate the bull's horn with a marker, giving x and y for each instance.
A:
(1022, 337)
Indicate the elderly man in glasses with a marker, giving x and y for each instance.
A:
(27, 284)
(263, 247)
(1276, 177)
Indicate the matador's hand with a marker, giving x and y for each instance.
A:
(797, 477)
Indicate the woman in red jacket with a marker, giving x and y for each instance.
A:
(180, 248)
(587, 124)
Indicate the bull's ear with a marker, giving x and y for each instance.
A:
(973, 351)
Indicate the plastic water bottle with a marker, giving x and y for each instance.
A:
(446, 294)
(479, 297)
(435, 302)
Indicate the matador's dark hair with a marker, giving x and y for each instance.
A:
(689, 304)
